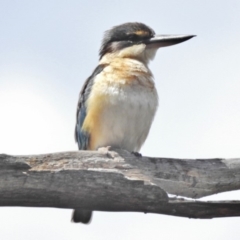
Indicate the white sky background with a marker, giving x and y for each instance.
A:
(47, 50)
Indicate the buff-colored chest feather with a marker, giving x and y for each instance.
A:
(121, 106)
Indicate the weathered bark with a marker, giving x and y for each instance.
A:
(116, 180)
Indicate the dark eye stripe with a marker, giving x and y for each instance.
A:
(136, 37)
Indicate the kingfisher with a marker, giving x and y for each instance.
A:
(118, 102)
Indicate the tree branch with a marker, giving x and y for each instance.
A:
(116, 180)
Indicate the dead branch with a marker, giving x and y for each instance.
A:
(116, 180)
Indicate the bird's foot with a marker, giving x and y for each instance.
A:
(136, 154)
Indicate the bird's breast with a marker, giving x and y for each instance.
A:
(121, 108)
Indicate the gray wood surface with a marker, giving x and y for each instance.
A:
(116, 180)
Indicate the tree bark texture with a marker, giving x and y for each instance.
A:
(116, 180)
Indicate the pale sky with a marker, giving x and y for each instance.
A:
(48, 49)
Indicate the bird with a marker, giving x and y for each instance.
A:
(118, 102)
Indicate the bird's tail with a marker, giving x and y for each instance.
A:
(83, 216)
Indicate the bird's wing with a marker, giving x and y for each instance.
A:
(82, 137)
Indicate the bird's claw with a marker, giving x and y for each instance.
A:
(136, 154)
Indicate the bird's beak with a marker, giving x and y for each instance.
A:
(166, 40)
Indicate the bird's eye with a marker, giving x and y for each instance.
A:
(133, 37)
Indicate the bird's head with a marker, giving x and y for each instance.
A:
(137, 41)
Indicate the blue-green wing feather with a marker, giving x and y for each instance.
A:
(83, 137)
